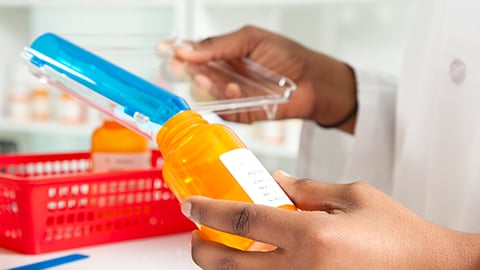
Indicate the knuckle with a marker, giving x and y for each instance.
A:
(303, 182)
(243, 220)
(358, 188)
(317, 235)
(248, 28)
(226, 263)
(250, 31)
(326, 234)
(357, 192)
(207, 40)
(300, 187)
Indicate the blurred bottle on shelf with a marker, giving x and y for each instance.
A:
(40, 102)
(27, 98)
(18, 103)
(17, 98)
(71, 111)
(117, 148)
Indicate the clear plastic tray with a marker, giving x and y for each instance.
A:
(218, 86)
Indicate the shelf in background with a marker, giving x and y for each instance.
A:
(277, 3)
(94, 3)
(55, 128)
(48, 127)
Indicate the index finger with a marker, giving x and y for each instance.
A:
(258, 222)
(229, 46)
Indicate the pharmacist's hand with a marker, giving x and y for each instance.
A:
(325, 87)
(351, 226)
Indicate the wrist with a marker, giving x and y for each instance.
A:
(450, 249)
(468, 251)
(336, 103)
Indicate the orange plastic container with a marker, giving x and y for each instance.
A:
(51, 202)
(211, 160)
(114, 147)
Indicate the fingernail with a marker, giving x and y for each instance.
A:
(232, 90)
(202, 82)
(186, 209)
(185, 47)
(284, 173)
(164, 49)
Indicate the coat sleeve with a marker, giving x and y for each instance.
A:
(333, 156)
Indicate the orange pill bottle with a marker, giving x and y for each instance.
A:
(210, 160)
(117, 148)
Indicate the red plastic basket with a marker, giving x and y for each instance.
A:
(52, 202)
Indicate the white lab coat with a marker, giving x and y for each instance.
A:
(419, 140)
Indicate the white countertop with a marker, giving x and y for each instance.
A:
(162, 252)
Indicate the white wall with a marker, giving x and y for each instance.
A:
(366, 33)
(14, 23)
(102, 19)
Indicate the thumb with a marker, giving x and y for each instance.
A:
(230, 46)
(312, 195)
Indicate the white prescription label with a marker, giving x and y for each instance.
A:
(108, 162)
(254, 178)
